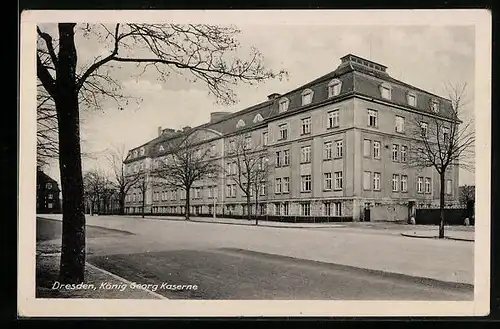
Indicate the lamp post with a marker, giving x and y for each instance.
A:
(215, 207)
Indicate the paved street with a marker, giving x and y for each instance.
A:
(248, 262)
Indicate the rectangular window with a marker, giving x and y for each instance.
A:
(435, 106)
(446, 134)
(232, 146)
(50, 196)
(395, 182)
(423, 129)
(386, 93)
(306, 126)
(286, 157)
(328, 181)
(286, 184)
(366, 180)
(327, 209)
(306, 183)
(448, 187)
(367, 147)
(305, 154)
(420, 184)
(339, 149)
(333, 119)
(265, 138)
(283, 131)
(372, 118)
(278, 186)
(338, 180)
(278, 158)
(262, 189)
(400, 124)
(248, 143)
(404, 183)
(337, 209)
(328, 150)
(283, 105)
(427, 185)
(376, 149)
(376, 181)
(404, 152)
(395, 152)
(305, 209)
(285, 209)
(412, 100)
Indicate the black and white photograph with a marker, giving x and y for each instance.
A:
(254, 163)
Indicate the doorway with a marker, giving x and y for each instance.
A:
(366, 216)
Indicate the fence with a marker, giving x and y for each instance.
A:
(272, 218)
(452, 216)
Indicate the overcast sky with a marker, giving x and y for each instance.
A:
(424, 56)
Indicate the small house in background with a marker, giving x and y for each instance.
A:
(47, 194)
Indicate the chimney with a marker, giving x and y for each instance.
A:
(186, 128)
(273, 96)
(216, 116)
(159, 131)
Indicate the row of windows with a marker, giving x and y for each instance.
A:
(334, 87)
(328, 209)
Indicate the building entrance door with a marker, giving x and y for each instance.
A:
(366, 216)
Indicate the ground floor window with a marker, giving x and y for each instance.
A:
(337, 209)
(263, 209)
(305, 209)
(285, 209)
(327, 208)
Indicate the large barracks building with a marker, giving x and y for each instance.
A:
(338, 146)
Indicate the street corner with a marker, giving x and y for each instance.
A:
(434, 234)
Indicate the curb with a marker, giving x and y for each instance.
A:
(157, 296)
(434, 237)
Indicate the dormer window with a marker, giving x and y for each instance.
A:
(283, 105)
(307, 96)
(142, 151)
(240, 124)
(434, 106)
(334, 87)
(385, 90)
(135, 153)
(161, 149)
(411, 99)
(258, 118)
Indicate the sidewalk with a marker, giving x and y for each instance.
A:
(460, 235)
(99, 284)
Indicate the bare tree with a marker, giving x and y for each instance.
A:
(96, 188)
(141, 184)
(122, 180)
(188, 160)
(204, 52)
(247, 167)
(445, 142)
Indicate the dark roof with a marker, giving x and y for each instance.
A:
(43, 178)
(358, 76)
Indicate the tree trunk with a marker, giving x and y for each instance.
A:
(256, 207)
(143, 200)
(249, 206)
(122, 203)
(187, 203)
(441, 205)
(72, 264)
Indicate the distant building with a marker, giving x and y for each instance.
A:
(47, 194)
(339, 145)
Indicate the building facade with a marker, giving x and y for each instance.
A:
(47, 194)
(339, 147)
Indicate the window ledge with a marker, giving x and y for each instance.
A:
(334, 127)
